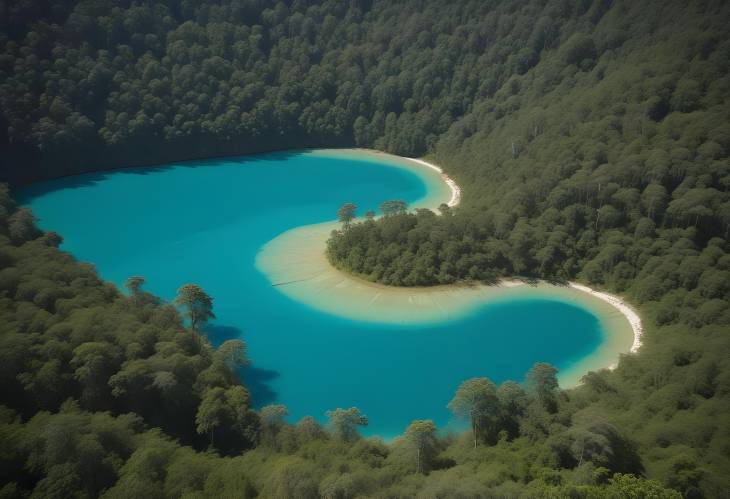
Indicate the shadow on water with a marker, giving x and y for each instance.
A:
(219, 334)
(255, 378)
(257, 381)
(27, 193)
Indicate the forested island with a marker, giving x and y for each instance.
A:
(590, 139)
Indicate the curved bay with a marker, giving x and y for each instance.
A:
(206, 222)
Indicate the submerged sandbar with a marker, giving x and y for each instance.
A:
(296, 264)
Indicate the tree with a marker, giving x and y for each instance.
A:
(61, 480)
(626, 485)
(590, 445)
(346, 214)
(134, 284)
(693, 205)
(213, 412)
(542, 382)
(422, 435)
(686, 95)
(198, 305)
(94, 362)
(309, 428)
(52, 239)
(21, 226)
(512, 402)
(476, 399)
(344, 423)
(225, 409)
(244, 421)
(272, 419)
(393, 207)
(654, 199)
(233, 353)
(292, 477)
(578, 48)
(361, 131)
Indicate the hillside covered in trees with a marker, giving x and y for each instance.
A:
(608, 163)
(591, 142)
(95, 84)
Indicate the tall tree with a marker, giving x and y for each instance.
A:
(272, 420)
(512, 402)
(227, 409)
(134, 284)
(542, 382)
(422, 435)
(21, 226)
(198, 305)
(346, 214)
(476, 399)
(393, 207)
(213, 412)
(344, 423)
(233, 353)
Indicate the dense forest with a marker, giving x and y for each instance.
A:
(590, 139)
(95, 84)
(106, 394)
(119, 83)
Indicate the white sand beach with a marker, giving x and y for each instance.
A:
(622, 307)
(455, 190)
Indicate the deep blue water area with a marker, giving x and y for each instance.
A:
(205, 221)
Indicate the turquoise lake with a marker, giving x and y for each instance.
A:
(204, 222)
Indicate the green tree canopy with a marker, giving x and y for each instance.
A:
(475, 399)
(344, 423)
(346, 214)
(197, 303)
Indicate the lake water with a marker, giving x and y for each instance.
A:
(204, 222)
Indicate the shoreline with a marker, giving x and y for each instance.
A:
(404, 161)
(455, 189)
(295, 262)
(631, 315)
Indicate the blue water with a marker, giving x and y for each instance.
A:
(204, 222)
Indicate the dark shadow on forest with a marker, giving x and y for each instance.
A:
(256, 379)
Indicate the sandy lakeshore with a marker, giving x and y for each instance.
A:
(622, 307)
(441, 187)
(455, 190)
(296, 264)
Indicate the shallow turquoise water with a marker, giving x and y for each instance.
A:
(204, 222)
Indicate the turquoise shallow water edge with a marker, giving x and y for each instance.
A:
(205, 221)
